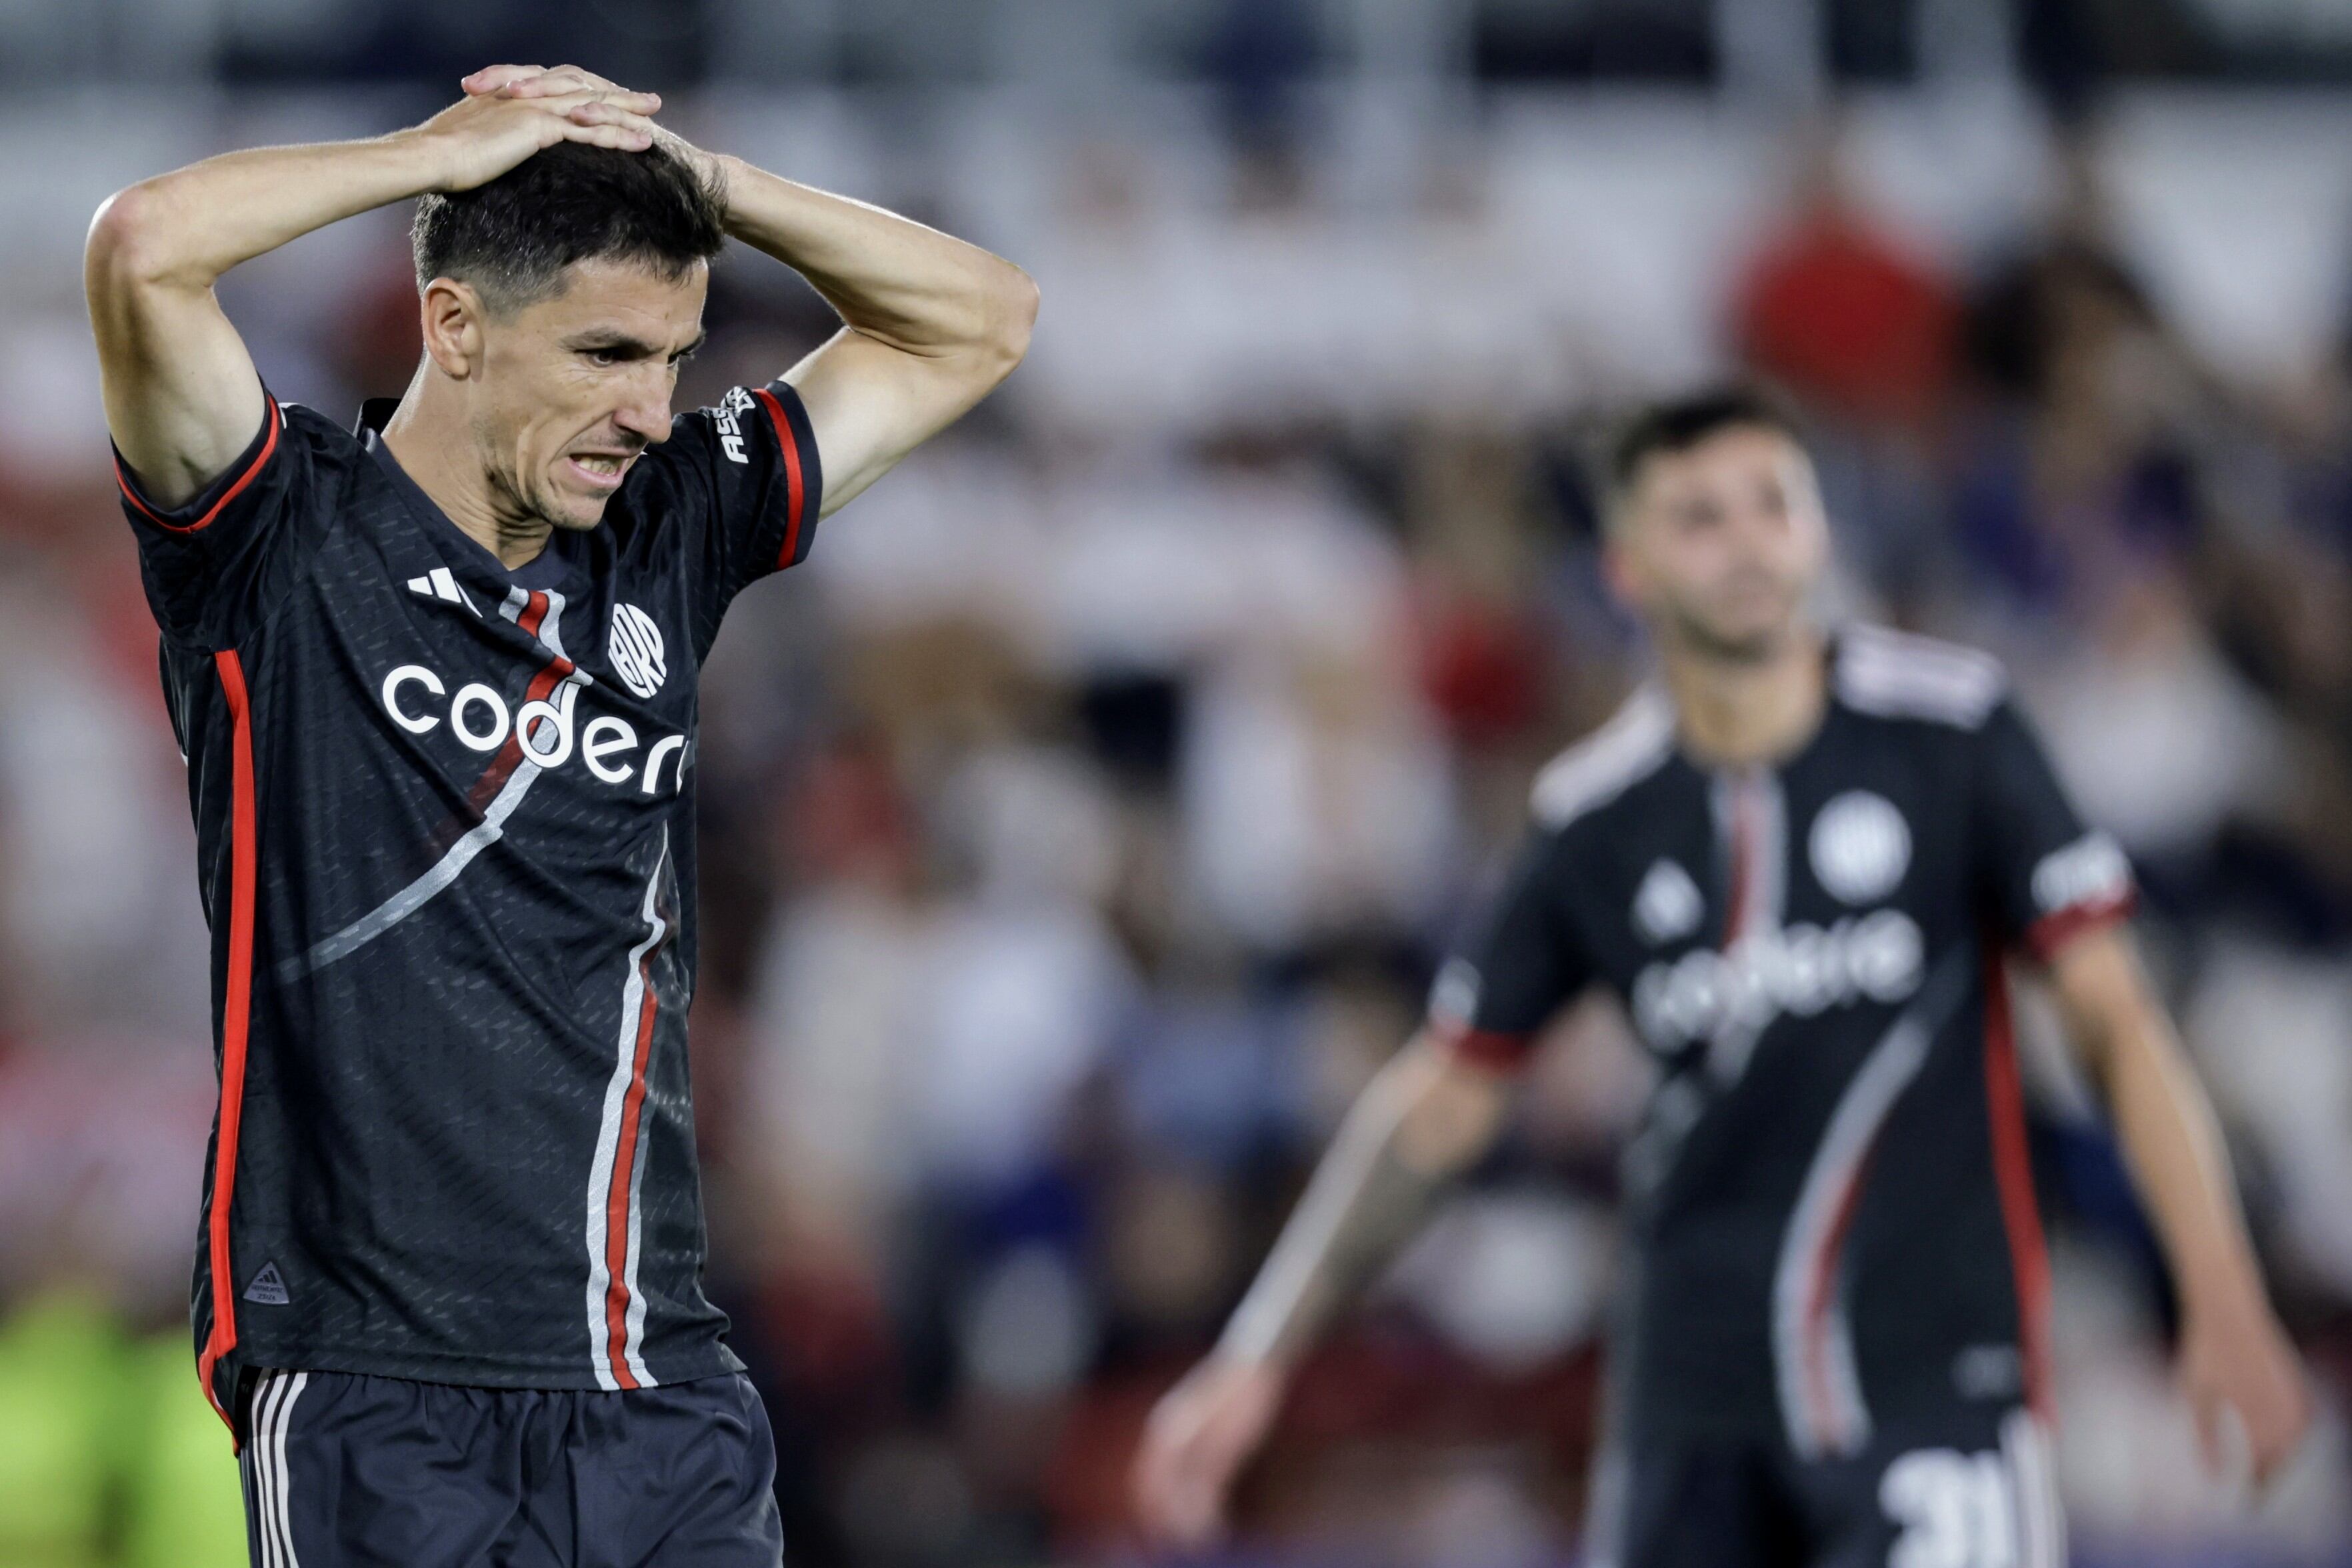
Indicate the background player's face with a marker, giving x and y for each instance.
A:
(574, 387)
(1719, 544)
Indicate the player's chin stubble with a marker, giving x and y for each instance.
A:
(1697, 632)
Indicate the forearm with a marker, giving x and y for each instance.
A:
(891, 279)
(188, 227)
(2180, 1166)
(1421, 1122)
(2163, 1120)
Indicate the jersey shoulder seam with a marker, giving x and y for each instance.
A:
(1901, 675)
(1635, 743)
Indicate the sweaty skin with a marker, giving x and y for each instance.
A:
(1719, 546)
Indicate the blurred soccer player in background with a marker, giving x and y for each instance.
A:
(436, 681)
(1801, 858)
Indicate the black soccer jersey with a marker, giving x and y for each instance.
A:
(1833, 1220)
(445, 816)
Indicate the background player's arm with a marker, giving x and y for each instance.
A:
(931, 324)
(2234, 1356)
(1429, 1116)
(181, 396)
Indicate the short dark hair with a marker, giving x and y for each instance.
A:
(513, 237)
(1678, 424)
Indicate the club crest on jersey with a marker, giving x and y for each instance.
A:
(1861, 846)
(1667, 905)
(636, 648)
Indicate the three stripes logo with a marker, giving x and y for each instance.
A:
(637, 650)
(268, 1287)
(439, 584)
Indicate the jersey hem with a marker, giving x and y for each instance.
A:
(461, 1371)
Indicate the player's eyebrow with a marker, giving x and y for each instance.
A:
(623, 346)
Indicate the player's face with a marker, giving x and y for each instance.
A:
(573, 388)
(1720, 544)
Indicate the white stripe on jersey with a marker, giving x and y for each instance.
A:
(1821, 1402)
(1812, 1343)
(634, 1000)
(1607, 762)
(1895, 674)
(468, 847)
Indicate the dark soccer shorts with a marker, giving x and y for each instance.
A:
(343, 1471)
(1973, 1490)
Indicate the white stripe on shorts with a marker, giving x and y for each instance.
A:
(264, 1453)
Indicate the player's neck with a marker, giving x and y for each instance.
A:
(1744, 713)
(428, 439)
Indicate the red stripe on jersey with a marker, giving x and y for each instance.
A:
(1491, 1049)
(542, 685)
(2053, 930)
(793, 497)
(268, 446)
(1820, 1288)
(616, 1198)
(1744, 850)
(2029, 1258)
(236, 1010)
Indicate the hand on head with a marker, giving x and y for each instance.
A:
(508, 112)
(538, 81)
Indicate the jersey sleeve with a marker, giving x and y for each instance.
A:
(1522, 965)
(747, 474)
(2045, 875)
(213, 566)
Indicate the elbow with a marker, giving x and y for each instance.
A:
(122, 248)
(130, 243)
(1012, 318)
(119, 233)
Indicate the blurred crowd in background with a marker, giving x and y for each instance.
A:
(1082, 824)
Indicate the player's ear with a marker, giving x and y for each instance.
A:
(450, 315)
(1620, 568)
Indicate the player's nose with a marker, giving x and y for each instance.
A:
(645, 414)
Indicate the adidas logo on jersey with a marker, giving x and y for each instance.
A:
(268, 1289)
(1668, 905)
(439, 584)
(1799, 969)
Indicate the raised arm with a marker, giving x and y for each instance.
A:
(1429, 1116)
(2234, 1357)
(931, 324)
(180, 393)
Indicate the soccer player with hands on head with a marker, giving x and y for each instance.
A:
(435, 678)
